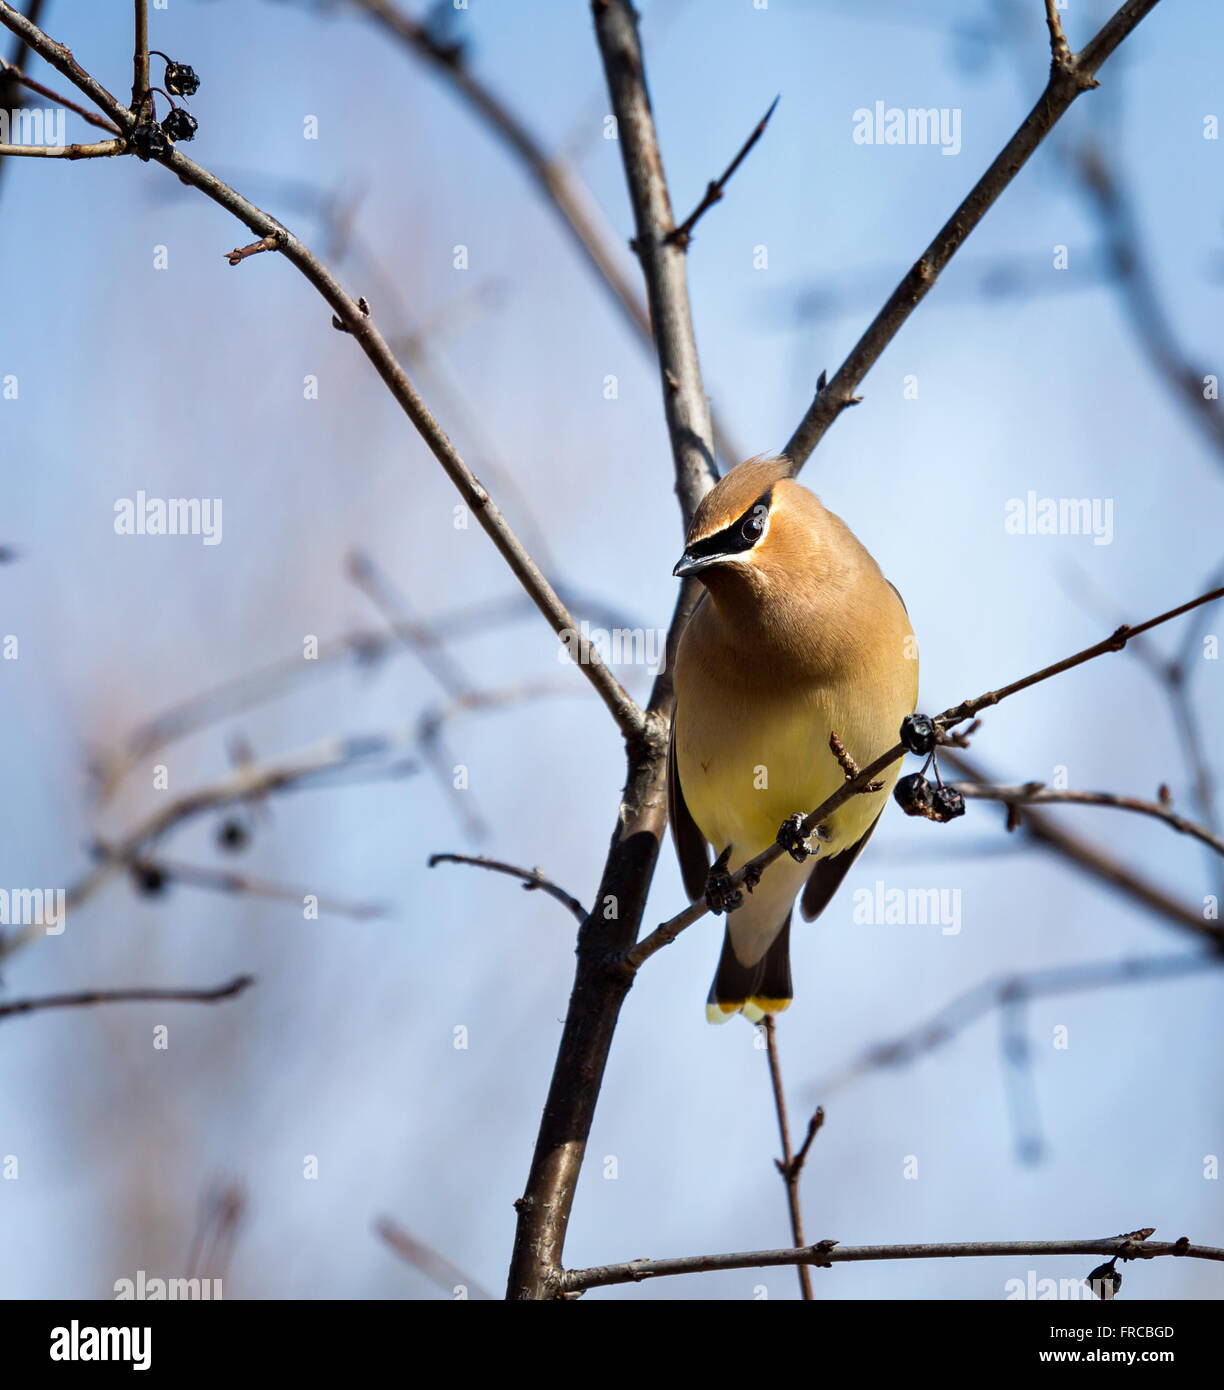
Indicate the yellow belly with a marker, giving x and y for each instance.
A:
(745, 769)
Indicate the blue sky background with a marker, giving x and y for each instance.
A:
(188, 381)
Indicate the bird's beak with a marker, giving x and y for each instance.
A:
(693, 564)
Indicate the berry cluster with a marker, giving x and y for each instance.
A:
(151, 139)
(914, 794)
(918, 797)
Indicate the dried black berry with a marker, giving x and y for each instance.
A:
(146, 141)
(946, 804)
(233, 835)
(148, 879)
(181, 80)
(1105, 1281)
(180, 125)
(918, 733)
(913, 795)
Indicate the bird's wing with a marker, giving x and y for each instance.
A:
(689, 841)
(825, 879)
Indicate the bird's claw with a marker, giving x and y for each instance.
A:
(720, 893)
(792, 838)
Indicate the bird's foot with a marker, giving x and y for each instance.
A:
(792, 838)
(721, 895)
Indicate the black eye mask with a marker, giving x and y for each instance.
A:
(737, 537)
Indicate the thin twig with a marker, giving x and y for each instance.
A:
(436, 1267)
(271, 242)
(532, 878)
(787, 1165)
(102, 149)
(140, 56)
(1060, 49)
(1107, 868)
(1067, 80)
(1038, 794)
(127, 996)
(14, 74)
(826, 1253)
(683, 234)
(227, 881)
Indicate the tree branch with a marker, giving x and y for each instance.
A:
(1091, 858)
(1037, 793)
(127, 996)
(140, 56)
(611, 929)
(433, 1265)
(790, 1165)
(532, 878)
(103, 149)
(826, 1253)
(1069, 76)
(663, 261)
(13, 74)
(683, 234)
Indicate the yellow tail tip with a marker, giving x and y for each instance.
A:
(767, 1006)
(754, 1009)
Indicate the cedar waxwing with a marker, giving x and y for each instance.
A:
(798, 636)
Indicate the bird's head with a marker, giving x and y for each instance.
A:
(739, 530)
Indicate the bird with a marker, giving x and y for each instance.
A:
(797, 663)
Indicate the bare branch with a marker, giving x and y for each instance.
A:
(663, 262)
(1038, 794)
(140, 56)
(1061, 56)
(13, 74)
(1091, 858)
(247, 885)
(1067, 80)
(683, 234)
(127, 996)
(103, 149)
(271, 242)
(598, 993)
(826, 1253)
(789, 1165)
(425, 1258)
(532, 878)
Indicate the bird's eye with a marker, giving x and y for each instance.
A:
(751, 527)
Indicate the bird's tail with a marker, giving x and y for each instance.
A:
(754, 990)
